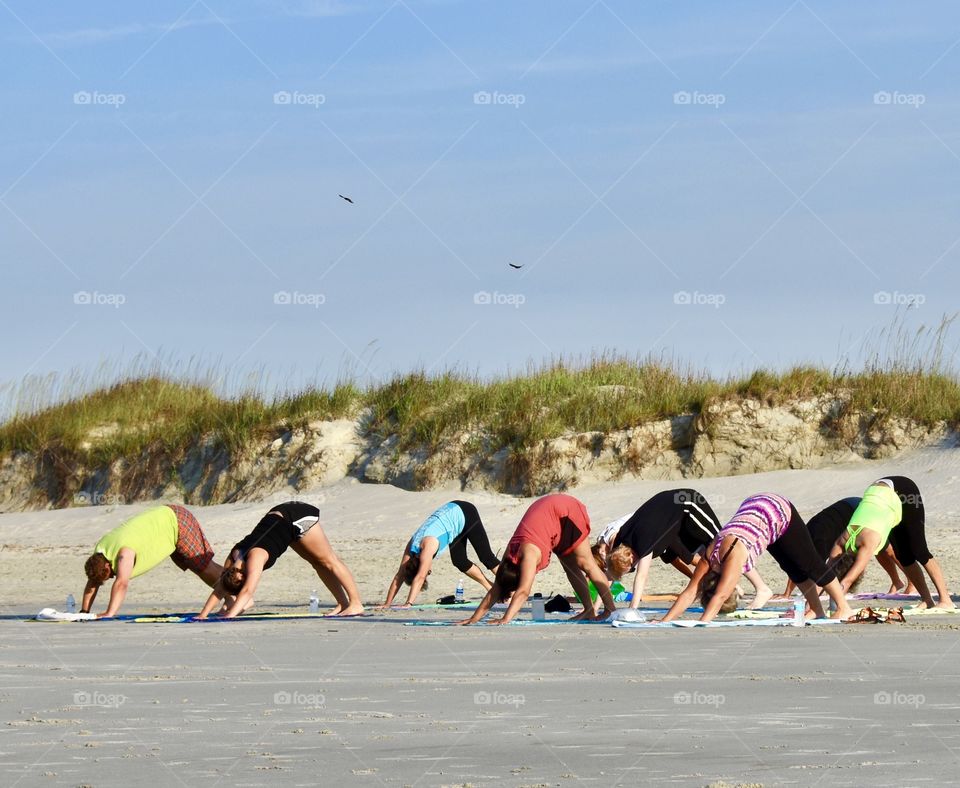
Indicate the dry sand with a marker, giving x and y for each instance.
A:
(378, 703)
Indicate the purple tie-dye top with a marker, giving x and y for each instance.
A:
(758, 523)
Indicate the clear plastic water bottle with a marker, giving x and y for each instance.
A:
(314, 602)
(799, 608)
(71, 604)
(458, 594)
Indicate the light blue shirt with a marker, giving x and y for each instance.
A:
(445, 525)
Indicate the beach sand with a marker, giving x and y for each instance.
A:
(370, 701)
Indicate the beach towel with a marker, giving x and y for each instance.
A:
(49, 614)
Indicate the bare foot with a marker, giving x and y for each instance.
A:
(946, 604)
(354, 609)
(763, 596)
(843, 613)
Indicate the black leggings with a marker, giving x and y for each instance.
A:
(474, 533)
(796, 555)
(909, 538)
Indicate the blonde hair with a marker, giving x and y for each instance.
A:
(620, 561)
(708, 588)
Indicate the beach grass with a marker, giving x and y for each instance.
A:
(98, 420)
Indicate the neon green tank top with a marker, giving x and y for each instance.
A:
(879, 510)
(152, 535)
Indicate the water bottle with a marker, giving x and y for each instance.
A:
(314, 602)
(799, 608)
(458, 594)
(71, 604)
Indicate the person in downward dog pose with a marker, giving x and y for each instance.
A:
(557, 524)
(293, 524)
(142, 542)
(453, 526)
(892, 508)
(675, 526)
(826, 529)
(764, 522)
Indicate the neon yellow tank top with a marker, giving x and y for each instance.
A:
(152, 535)
(879, 510)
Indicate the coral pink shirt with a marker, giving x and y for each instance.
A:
(541, 527)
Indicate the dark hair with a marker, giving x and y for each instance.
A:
(507, 578)
(708, 588)
(843, 564)
(409, 569)
(98, 569)
(233, 579)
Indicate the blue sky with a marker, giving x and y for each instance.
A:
(733, 184)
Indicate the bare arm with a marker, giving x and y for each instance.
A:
(685, 598)
(729, 576)
(89, 595)
(486, 603)
(216, 596)
(529, 558)
(587, 566)
(640, 581)
(125, 561)
(428, 547)
(867, 542)
(253, 571)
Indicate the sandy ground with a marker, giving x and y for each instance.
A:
(370, 701)
(364, 703)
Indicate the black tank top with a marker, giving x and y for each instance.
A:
(275, 532)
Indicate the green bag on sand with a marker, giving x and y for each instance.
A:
(615, 588)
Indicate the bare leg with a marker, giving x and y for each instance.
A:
(835, 590)
(915, 573)
(889, 563)
(936, 575)
(211, 574)
(314, 547)
(474, 573)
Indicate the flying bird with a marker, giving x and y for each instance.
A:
(345, 198)
(514, 265)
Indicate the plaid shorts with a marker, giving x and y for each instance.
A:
(193, 550)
